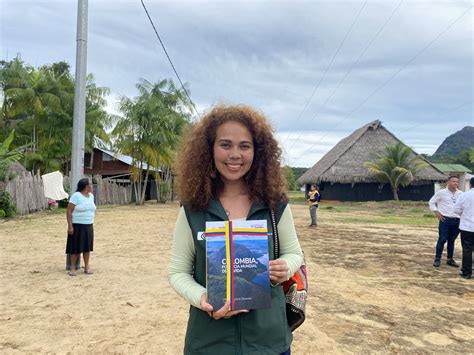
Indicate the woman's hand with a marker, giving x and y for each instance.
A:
(278, 271)
(223, 312)
(70, 230)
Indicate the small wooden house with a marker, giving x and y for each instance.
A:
(117, 166)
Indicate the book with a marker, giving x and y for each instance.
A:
(237, 264)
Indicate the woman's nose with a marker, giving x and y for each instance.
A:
(235, 153)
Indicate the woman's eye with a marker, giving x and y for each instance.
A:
(245, 147)
(225, 145)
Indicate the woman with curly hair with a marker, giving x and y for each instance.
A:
(229, 169)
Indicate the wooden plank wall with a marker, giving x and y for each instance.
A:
(27, 192)
(109, 192)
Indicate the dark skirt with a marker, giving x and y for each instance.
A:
(82, 239)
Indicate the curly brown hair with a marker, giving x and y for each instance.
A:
(265, 181)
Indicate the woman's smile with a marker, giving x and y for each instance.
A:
(233, 151)
(233, 166)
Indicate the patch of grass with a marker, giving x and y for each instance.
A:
(297, 197)
(407, 221)
(389, 212)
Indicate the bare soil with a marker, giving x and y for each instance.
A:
(372, 287)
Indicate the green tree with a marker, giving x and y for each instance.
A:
(13, 74)
(37, 99)
(39, 104)
(149, 131)
(290, 178)
(7, 155)
(397, 166)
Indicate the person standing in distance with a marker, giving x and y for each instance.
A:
(313, 200)
(442, 204)
(80, 215)
(465, 208)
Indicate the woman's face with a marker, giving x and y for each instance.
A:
(233, 151)
(88, 188)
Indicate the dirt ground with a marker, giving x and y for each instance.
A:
(372, 288)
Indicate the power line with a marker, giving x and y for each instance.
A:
(391, 78)
(445, 111)
(351, 68)
(169, 59)
(330, 64)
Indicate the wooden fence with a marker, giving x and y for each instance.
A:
(109, 192)
(27, 193)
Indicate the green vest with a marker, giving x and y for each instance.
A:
(262, 331)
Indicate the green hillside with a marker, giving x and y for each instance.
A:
(455, 144)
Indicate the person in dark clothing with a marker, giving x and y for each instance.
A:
(465, 208)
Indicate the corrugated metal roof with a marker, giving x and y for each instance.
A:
(125, 158)
(452, 168)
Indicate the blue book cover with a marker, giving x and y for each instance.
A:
(237, 264)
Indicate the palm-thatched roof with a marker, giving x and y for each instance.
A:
(345, 162)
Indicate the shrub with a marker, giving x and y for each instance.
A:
(7, 205)
(2, 214)
(165, 188)
(63, 203)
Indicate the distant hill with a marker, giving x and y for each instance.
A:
(455, 144)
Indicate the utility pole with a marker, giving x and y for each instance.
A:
(79, 117)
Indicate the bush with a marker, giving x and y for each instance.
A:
(63, 203)
(2, 214)
(164, 189)
(7, 205)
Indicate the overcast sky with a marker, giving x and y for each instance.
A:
(317, 69)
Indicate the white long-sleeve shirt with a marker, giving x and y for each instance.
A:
(464, 207)
(443, 201)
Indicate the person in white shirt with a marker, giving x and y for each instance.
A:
(465, 208)
(442, 204)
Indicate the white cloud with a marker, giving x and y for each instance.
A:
(272, 55)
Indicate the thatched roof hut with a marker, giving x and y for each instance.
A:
(344, 165)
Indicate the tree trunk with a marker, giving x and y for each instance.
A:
(395, 194)
(142, 199)
(157, 186)
(136, 192)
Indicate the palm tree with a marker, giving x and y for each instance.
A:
(39, 104)
(13, 74)
(9, 155)
(150, 130)
(396, 166)
(38, 100)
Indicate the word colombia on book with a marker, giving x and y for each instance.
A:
(237, 264)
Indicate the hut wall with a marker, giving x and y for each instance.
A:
(374, 192)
